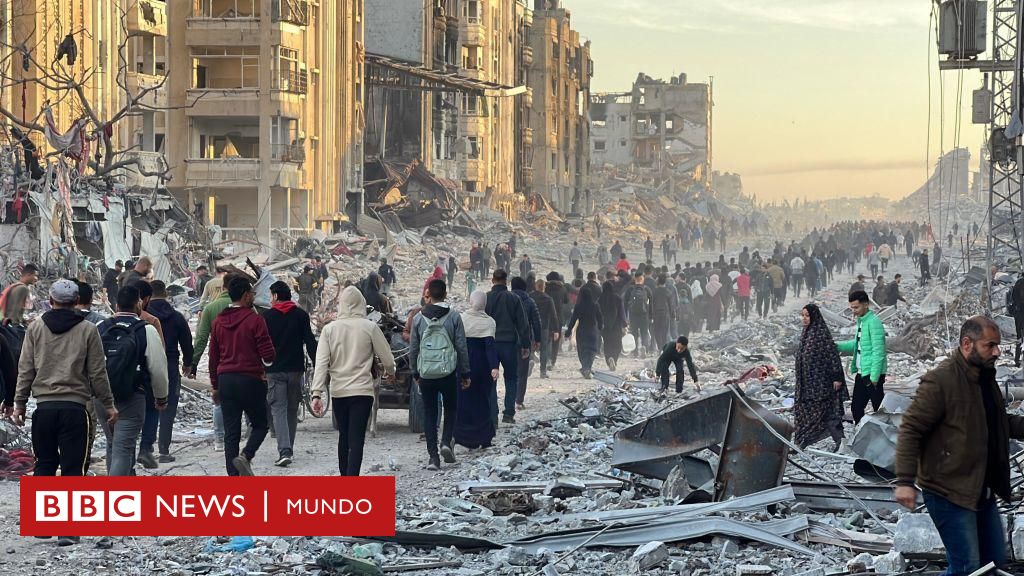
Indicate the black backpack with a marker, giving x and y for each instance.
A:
(15, 335)
(637, 301)
(124, 345)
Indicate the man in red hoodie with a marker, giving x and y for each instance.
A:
(240, 351)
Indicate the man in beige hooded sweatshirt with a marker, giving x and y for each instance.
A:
(345, 353)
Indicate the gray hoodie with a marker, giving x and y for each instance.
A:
(346, 350)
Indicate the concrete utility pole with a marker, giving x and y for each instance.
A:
(961, 23)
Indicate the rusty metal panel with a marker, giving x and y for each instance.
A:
(752, 459)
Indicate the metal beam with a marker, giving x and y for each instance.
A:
(979, 65)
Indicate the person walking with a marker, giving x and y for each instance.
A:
(575, 256)
(588, 335)
(61, 366)
(743, 293)
(675, 353)
(616, 251)
(511, 338)
(613, 315)
(17, 298)
(84, 305)
(209, 314)
(869, 363)
(555, 288)
(1015, 308)
(240, 351)
(664, 309)
(213, 288)
(143, 266)
(525, 266)
(638, 301)
(475, 426)
(110, 282)
(765, 289)
(713, 303)
(892, 292)
(874, 262)
(954, 443)
(796, 274)
(880, 293)
(550, 328)
(820, 383)
(925, 266)
(536, 335)
(176, 337)
(649, 250)
(439, 357)
(291, 331)
(136, 363)
(345, 358)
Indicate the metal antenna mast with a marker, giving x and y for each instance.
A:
(958, 38)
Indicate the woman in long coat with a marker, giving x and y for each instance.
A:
(713, 303)
(614, 317)
(588, 335)
(820, 383)
(477, 409)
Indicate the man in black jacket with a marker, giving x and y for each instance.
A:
(555, 288)
(290, 330)
(511, 337)
(177, 336)
(550, 329)
(110, 282)
(533, 315)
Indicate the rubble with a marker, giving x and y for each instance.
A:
(648, 556)
(916, 536)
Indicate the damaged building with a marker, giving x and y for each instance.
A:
(665, 126)
(265, 130)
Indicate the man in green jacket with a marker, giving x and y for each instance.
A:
(868, 351)
(954, 445)
(210, 313)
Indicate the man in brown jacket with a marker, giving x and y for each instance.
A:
(953, 444)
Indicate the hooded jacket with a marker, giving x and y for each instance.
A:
(560, 297)
(452, 324)
(532, 314)
(177, 334)
(547, 314)
(62, 360)
(290, 330)
(240, 344)
(347, 348)
(870, 360)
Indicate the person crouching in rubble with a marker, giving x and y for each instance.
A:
(953, 445)
(675, 353)
(868, 351)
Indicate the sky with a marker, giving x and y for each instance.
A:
(813, 98)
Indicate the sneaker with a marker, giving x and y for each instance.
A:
(283, 461)
(243, 465)
(434, 464)
(218, 445)
(448, 454)
(506, 419)
(147, 460)
(68, 540)
(166, 458)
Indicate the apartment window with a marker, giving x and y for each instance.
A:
(622, 143)
(622, 118)
(554, 161)
(600, 145)
(473, 153)
(469, 186)
(471, 105)
(226, 9)
(472, 57)
(225, 67)
(471, 10)
(290, 74)
(554, 50)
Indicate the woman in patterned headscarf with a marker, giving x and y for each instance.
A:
(820, 383)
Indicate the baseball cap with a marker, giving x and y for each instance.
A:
(64, 291)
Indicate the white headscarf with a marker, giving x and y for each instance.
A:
(713, 285)
(475, 320)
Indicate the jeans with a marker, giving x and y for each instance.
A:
(863, 392)
(242, 394)
(661, 327)
(447, 387)
(61, 439)
(764, 303)
(353, 414)
(640, 328)
(284, 392)
(545, 352)
(168, 415)
(972, 539)
(798, 281)
(743, 304)
(123, 440)
(150, 424)
(508, 358)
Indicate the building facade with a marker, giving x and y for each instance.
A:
(265, 126)
(665, 126)
(560, 81)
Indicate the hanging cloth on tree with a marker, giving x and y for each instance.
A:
(67, 47)
(71, 142)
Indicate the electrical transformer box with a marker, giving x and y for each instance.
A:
(963, 28)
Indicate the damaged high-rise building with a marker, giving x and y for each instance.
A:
(265, 130)
(657, 125)
(559, 82)
(444, 86)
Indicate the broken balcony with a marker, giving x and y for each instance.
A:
(224, 152)
(153, 89)
(290, 11)
(146, 18)
(226, 9)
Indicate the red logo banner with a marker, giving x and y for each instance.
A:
(206, 506)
